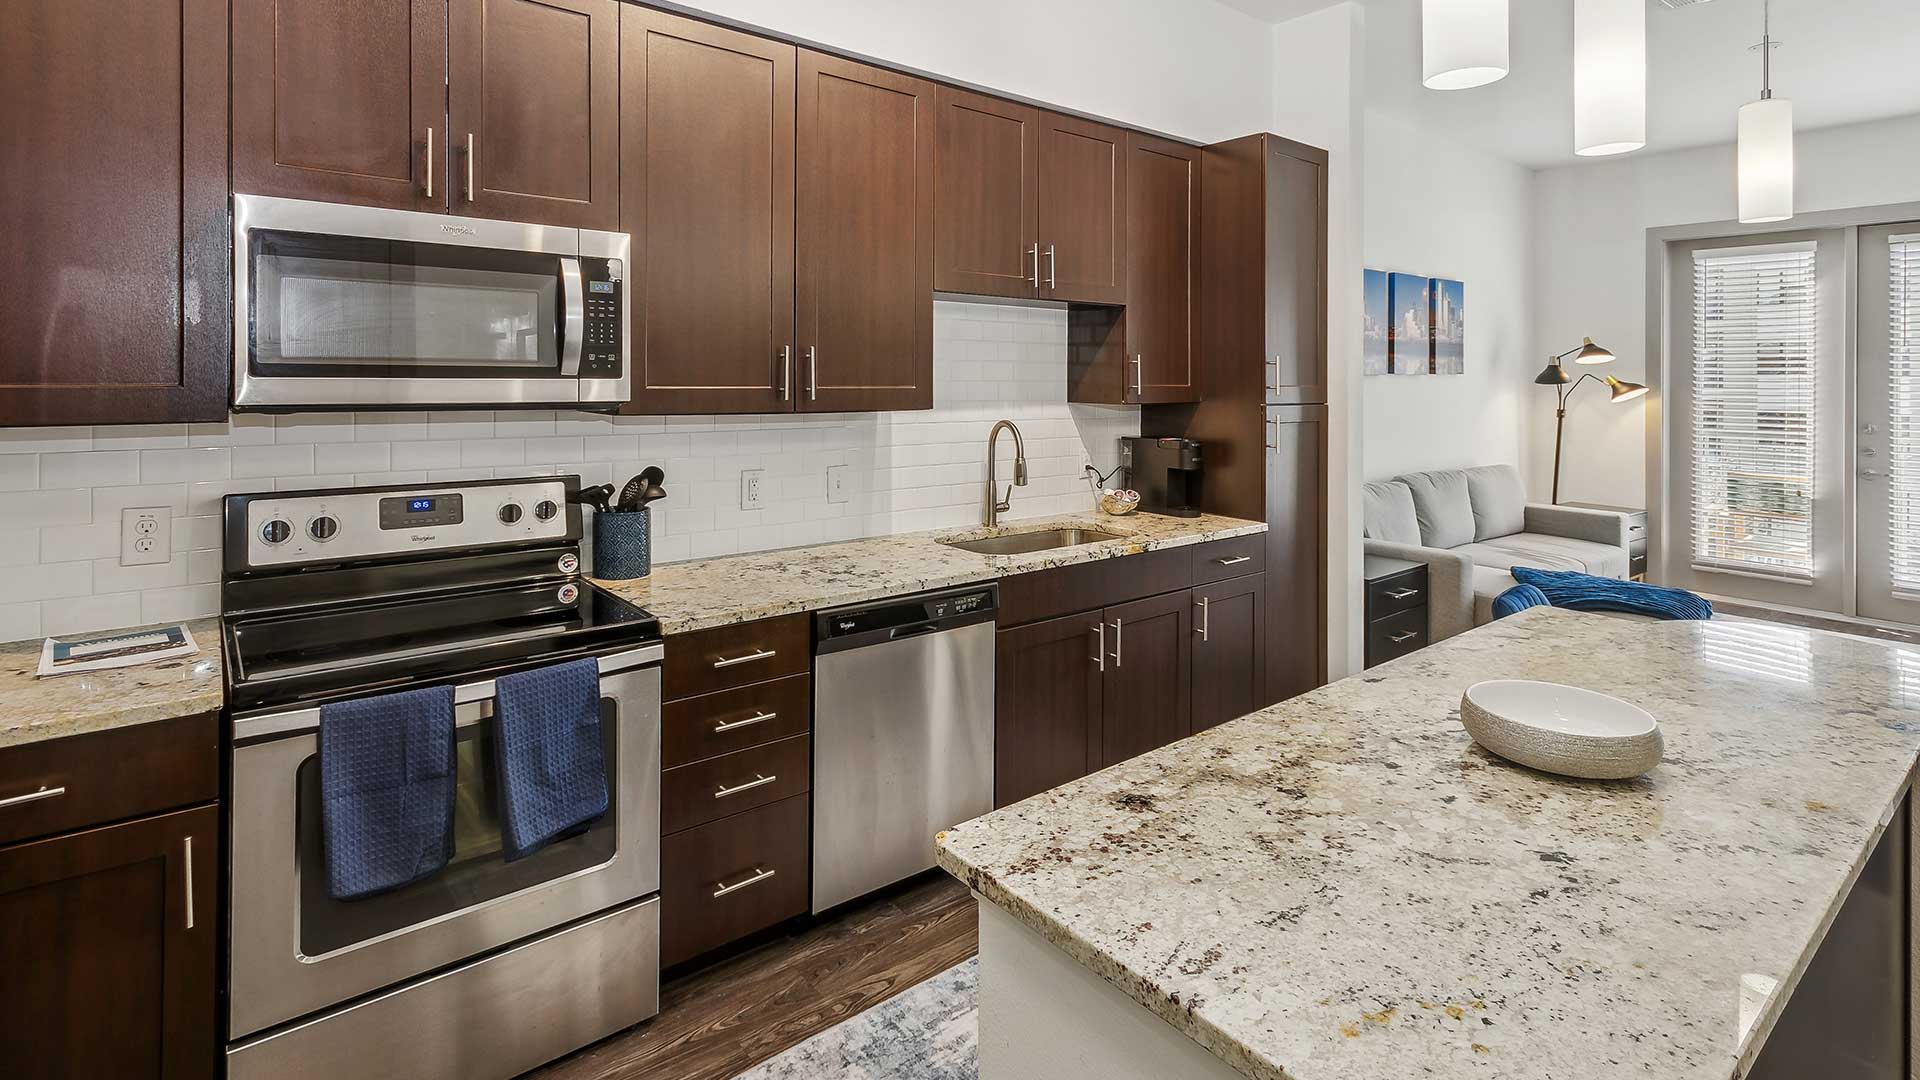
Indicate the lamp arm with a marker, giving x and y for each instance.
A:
(1568, 391)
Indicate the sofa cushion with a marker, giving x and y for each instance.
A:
(1441, 502)
(1549, 553)
(1499, 501)
(1388, 514)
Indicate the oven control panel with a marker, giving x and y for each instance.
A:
(286, 529)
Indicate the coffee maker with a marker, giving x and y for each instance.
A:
(1166, 473)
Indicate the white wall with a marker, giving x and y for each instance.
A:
(1439, 209)
(1589, 264)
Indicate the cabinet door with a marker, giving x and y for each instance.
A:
(108, 936)
(706, 129)
(1162, 223)
(1296, 272)
(339, 102)
(864, 254)
(1296, 550)
(1229, 650)
(1149, 655)
(1083, 200)
(986, 203)
(113, 206)
(1047, 696)
(533, 96)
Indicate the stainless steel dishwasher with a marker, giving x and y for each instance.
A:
(902, 734)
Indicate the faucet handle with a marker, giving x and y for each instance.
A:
(1006, 502)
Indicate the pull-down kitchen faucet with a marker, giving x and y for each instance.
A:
(997, 505)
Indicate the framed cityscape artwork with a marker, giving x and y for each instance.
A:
(1375, 317)
(1410, 345)
(1412, 325)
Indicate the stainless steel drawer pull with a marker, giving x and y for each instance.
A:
(1035, 252)
(1205, 620)
(1099, 632)
(188, 846)
(757, 781)
(813, 374)
(1400, 639)
(730, 661)
(759, 876)
(429, 163)
(1402, 594)
(1235, 561)
(730, 725)
(1053, 280)
(786, 373)
(1139, 378)
(1116, 643)
(33, 796)
(469, 166)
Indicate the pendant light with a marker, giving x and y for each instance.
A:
(1463, 43)
(1766, 142)
(1609, 76)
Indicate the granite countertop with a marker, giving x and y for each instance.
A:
(716, 592)
(1345, 886)
(34, 709)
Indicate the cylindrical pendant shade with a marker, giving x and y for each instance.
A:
(1463, 43)
(1609, 76)
(1766, 160)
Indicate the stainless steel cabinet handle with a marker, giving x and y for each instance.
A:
(1273, 443)
(730, 725)
(1116, 643)
(1035, 252)
(1402, 594)
(33, 796)
(1205, 620)
(730, 661)
(188, 845)
(1235, 561)
(429, 163)
(1139, 377)
(1408, 636)
(1636, 528)
(759, 876)
(757, 781)
(1053, 267)
(469, 166)
(1273, 384)
(1099, 632)
(786, 373)
(813, 374)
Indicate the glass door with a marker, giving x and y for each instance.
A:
(1887, 424)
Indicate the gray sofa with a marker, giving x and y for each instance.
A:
(1471, 527)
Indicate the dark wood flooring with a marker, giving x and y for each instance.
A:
(721, 1020)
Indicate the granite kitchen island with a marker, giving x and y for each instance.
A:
(1343, 887)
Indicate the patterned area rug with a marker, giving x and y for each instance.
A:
(930, 1032)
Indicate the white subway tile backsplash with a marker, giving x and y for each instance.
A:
(184, 466)
(276, 460)
(19, 472)
(46, 581)
(493, 452)
(19, 547)
(95, 541)
(34, 508)
(186, 602)
(353, 457)
(95, 468)
(313, 428)
(140, 437)
(81, 614)
(19, 621)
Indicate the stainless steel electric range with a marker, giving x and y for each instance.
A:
(490, 967)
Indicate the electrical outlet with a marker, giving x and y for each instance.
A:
(837, 484)
(751, 495)
(146, 535)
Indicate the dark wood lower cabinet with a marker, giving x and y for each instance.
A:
(1296, 460)
(728, 878)
(108, 940)
(1229, 649)
(1047, 708)
(1145, 699)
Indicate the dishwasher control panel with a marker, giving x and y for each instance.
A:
(905, 616)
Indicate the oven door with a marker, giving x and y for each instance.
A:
(361, 306)
(295, 950)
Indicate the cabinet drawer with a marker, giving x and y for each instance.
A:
(1400, 592)
(108, 775)
(1065, 590)
(1637, 564)
(1237, 556)
(717, 787)
(698, 728)
(1396, 635)
(726, 879)
(729, 656)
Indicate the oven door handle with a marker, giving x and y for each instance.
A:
(573, 326)
(298, 721)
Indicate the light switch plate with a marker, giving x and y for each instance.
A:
(752, 497)
(146, 535)
(837, 483)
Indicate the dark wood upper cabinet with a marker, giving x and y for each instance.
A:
(109, 938)
(707, 179)
(1229, 649)
(1146, 702)
(1083, 199)
(1296, 550)
(113, 202)
(864, 249)
(1163, 270)
(341, 102)
(1048, 697)
(533, 102)
(986, 196)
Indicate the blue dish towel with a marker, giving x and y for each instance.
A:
(553, 771)
(1518, 598)
(1584, 592)
(386, 790)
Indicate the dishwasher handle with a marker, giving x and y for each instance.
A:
(899, 632)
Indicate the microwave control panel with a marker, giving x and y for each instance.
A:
(601, 356)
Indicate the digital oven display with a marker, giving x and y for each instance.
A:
(420, 511)
(420, 506)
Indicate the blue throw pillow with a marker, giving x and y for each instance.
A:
(1518, 598)
(1584, 592)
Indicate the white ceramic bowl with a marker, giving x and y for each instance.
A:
(1562, 729)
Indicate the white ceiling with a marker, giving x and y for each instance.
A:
(1840, 61)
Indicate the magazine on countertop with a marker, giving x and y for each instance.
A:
(118, 649)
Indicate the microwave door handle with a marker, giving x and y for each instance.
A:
(573, 327)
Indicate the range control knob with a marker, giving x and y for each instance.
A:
(323, 528)
(276, 531)
(545, 509)
(510, 513)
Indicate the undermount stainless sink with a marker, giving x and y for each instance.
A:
(1038, 540)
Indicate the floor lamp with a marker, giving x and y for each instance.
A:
(1556, 376)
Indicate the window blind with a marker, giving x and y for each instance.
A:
(1903, 413)
(1756, 355)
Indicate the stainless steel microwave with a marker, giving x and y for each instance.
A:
(358, 307)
